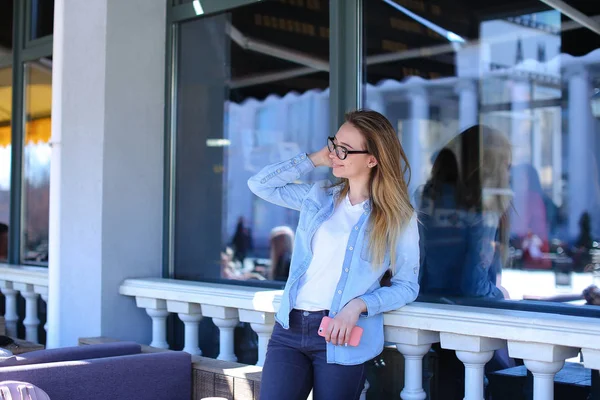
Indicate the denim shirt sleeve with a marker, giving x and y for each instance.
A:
(404, 287)
(480, 257)
(274, 183)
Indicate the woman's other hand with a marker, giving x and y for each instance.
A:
(321, 158)
(339, 329)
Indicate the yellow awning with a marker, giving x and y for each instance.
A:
(36, 131)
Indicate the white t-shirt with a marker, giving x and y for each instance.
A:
(317, 286)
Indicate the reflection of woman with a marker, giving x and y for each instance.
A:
(348, 236)
(464, 232)
(241, 241)
(282, 244)
(461, 210)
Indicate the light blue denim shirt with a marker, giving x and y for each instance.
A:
(277, 184)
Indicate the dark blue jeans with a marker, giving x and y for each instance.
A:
(297, 362)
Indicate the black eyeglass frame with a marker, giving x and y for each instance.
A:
(334, 147)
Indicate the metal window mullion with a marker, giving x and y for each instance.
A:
(346, 59)
(171, 63)
(17, 134)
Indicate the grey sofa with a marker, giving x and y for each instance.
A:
(104, 371)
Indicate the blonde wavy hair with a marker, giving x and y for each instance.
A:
(391, 210)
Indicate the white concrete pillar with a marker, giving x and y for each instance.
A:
(192, 324)
(11, 318)
(474, 367)
(262, 323)
(474, 352)
(31, 320)
(413, 370)
(520, 134)
(543, 377)
(579, 133)
(226, 338)
(413, 344)
(544, 361)
(191, 315)
(415, 133)
(468, 103)
(157, 311)
(159, 327)
(106, 184)
(226, 319)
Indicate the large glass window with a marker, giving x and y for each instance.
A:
(36, 169)
(6, 27)
(499, 115)
(41, 18)
(5, 157)
(251, 89)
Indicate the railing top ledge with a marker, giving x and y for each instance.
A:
(24, 274)
(496, 323)
(244, 297)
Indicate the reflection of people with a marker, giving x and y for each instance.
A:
(348, 236)
(529, 217)
(3, 241)
(241, 241)
(282, 243)
(461, 213)
(232, 269)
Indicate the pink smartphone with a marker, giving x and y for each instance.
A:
(355, 334)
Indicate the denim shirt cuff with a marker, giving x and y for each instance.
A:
(372, 303)
(302, 163)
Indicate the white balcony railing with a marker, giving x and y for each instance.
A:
(30, 282)
(543, 341)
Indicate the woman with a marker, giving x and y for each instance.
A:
(349, 234)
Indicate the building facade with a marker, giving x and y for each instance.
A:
(129, 129)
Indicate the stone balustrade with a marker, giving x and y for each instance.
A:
(30, 282)
(543, 341)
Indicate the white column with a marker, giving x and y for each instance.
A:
(468, 106)
(413, 344)
(474, 352)
(413, 370)
(43, 292)
(106, 185)
(544, 361)
(226, 319)
(262, 323)
(191, 315)
(580, 130)
(416, 133)
(520, 134)
(543, 377)
(474, 364)
(10, 314)
(159, 327)
(157, 311)
(31, 320)
(226, 338)
(191, 322)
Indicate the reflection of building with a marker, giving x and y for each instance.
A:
(161, 112)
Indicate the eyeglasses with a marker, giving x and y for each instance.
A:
(340, 151)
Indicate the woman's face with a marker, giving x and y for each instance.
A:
(355, 165)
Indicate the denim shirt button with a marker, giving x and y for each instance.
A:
(356, 228)
(346, 270)
(339, 292)
(351, 248)
(278, 171)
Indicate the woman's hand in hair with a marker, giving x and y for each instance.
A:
(321, 158)
(339, 329)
